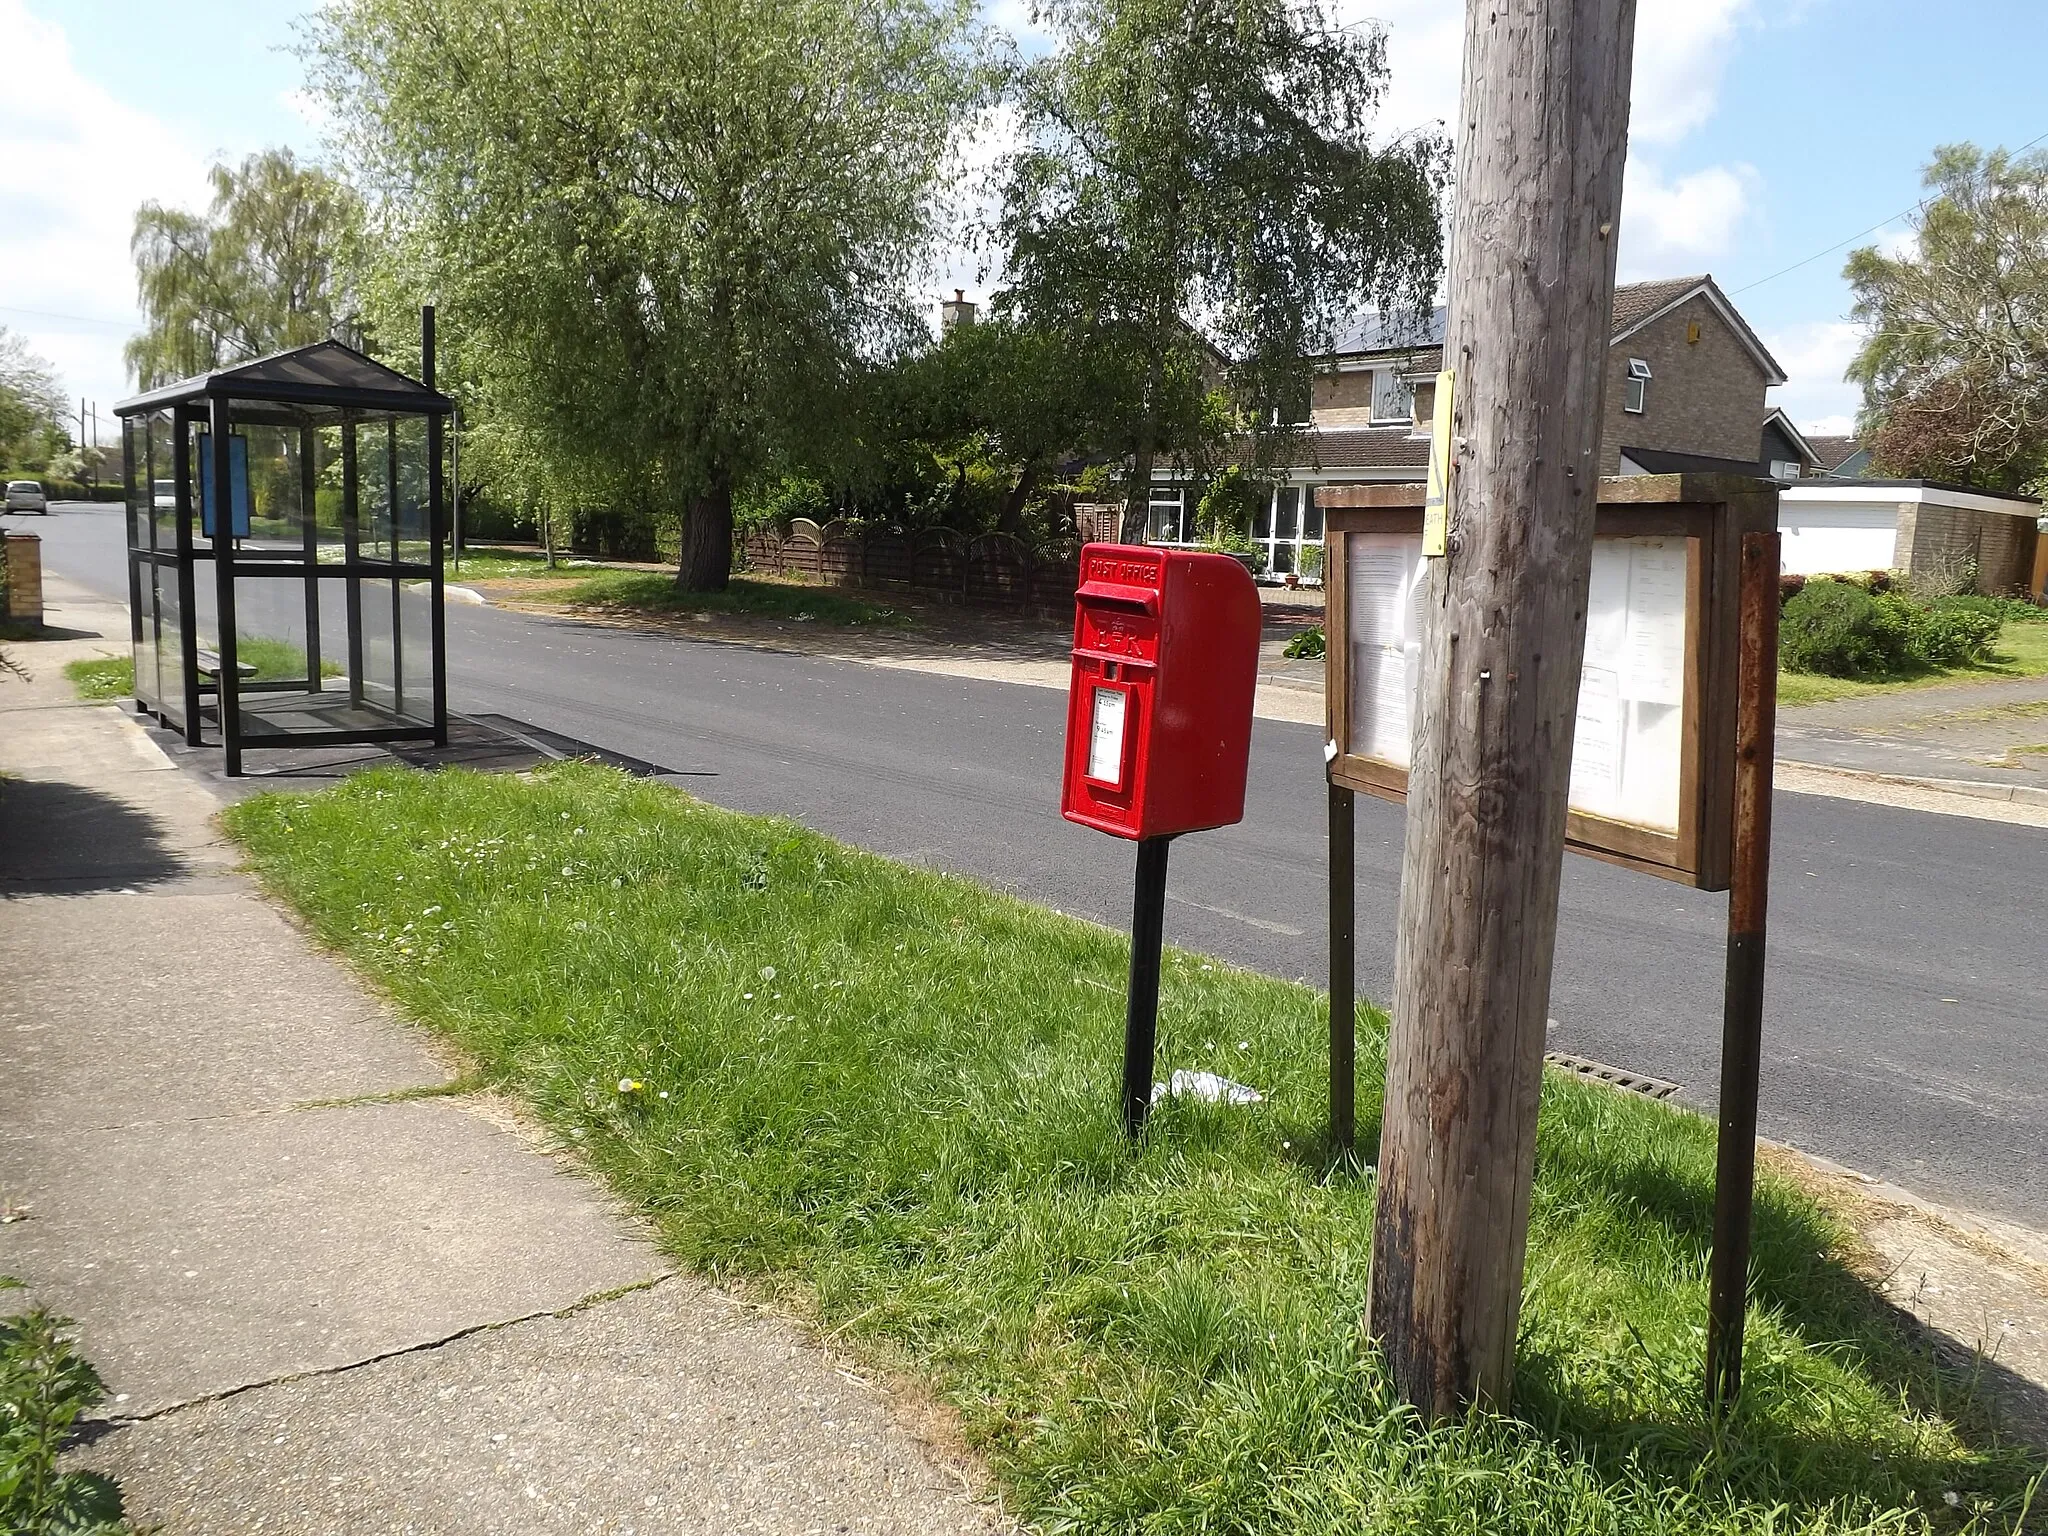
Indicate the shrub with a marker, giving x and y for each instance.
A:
(1789, 585)
(1306, 646)
(1840, 630)
(45, 1386)
(1951, 632)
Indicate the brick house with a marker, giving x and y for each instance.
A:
(1686, 378)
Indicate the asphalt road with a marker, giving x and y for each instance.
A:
(1906, 1033)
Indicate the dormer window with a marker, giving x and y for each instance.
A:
(1635, 389)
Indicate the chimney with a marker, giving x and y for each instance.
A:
(958, 310)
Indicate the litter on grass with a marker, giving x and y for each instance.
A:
(1207, 1087)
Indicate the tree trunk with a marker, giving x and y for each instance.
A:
(706, 561)
(1011, 519)
(1544, 131)
(1138, 503)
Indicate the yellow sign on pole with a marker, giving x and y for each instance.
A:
(1436, 505)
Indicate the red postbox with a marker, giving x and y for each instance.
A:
(1159, 716)
(1159, 731)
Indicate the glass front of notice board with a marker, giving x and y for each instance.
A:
(1629, 740)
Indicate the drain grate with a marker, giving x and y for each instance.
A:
(1614, 1077)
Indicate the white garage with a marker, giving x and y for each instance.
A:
(1831, 537)
(1831, 527)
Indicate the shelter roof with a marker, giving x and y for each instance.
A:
(324, 375)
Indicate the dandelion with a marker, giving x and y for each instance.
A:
(632, 1085)
(767, 973)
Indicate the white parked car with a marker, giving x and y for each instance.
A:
(27, 496)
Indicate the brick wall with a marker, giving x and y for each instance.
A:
(21, 593)
(1340, 399)
(1932, 536)
(1705, 397)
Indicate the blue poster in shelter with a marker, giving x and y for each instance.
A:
(238, 483)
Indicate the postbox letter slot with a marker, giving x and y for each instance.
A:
(1114, 594)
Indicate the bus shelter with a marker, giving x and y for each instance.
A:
(303, 607)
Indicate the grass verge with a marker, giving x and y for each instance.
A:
(102, 677)
(654, 592)
(2021, 650)
(113, 677)
(888, 1095)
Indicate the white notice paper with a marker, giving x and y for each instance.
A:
(1628, 736)
(1607, 606)
(1387, 582)
(1656, 621)
(1106, 737)
(1597, 743)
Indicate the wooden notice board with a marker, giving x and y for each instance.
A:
(1653, 757)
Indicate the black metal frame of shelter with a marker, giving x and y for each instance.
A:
(311, 404)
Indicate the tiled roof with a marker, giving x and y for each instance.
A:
(1636, 302)
(1367, 448)
(1833, 452)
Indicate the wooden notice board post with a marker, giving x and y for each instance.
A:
(1670, 757)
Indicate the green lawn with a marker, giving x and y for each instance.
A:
(2021, 650)
(887, 1097)
(637, 591)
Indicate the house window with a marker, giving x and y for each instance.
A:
(1635, 389)
(1285, 526)
(1168, 523)
(1785, 469)
(1393, 397)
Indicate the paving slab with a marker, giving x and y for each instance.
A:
(203, 1002)
(670, 1410)
(207, 1255)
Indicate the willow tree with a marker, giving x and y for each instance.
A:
(1198, 186)
(662, 231)
(259, 271)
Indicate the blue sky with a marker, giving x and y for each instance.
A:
(1763, 131)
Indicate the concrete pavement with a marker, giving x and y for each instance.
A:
(328, 1290)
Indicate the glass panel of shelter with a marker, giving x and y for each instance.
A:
(339, 523)
(287, 515)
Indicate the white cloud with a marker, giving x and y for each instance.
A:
(1669, 225)
(75, 161)
(1814, 357)
(1682, 50)
(1671, 228)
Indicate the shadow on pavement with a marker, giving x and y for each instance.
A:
(61, 839)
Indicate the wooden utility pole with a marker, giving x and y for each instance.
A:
(1542, 134)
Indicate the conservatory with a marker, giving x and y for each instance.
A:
(303, 607)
